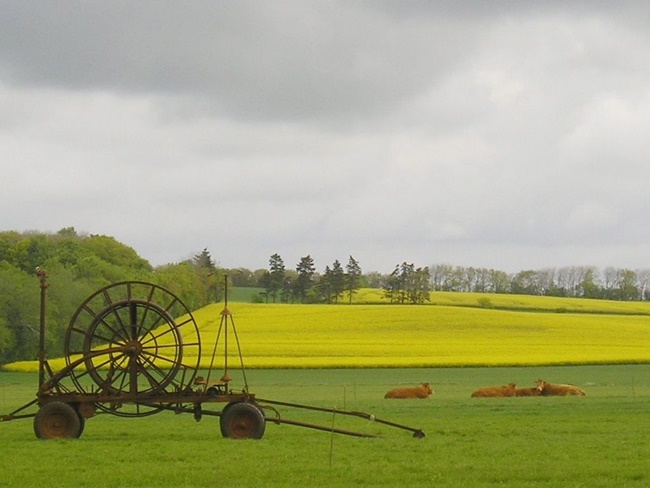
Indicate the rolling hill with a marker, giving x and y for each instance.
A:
(457, 329)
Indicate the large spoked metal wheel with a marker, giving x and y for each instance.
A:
(138, 339)
(242, 421)
(57, 420)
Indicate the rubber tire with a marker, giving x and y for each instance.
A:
(82, 423)
(242, 421)
(57, 420)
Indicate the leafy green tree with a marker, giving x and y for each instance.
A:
(525, 283)
(392, 286)
(204, 260)
(439, 275)
(352, 277)
(337, 280)
(375, 279)
(332, 283)
(406, 284)
(242, 277)
(325, 286)
(405, 276)
(27, 251)
(67, 232)
(627, 289)
(65, 293)
(304, 281)
(19, 314)
(419, 285)
(212, 279)
(643, 283)
(287, 292)
(184, 281)
(397, 284)
(77, 264)
(264, 281)
(276, 278)
(500, 281)
(454, 280)
(113, 252)
(589, 287)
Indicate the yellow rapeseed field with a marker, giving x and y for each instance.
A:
(392, 335)
(455, 331)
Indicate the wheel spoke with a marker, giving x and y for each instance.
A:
(152, 290)
(107, 325)
(124, 378)
(162, 334)
(114, 309)
(171, 305)
(98, 366)
(153, 383)
(150, 358)
(133, 319)
(102, 339)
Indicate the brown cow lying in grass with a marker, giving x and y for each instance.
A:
(495, 391)
(422, 391)
(549, 389)
(521, 392)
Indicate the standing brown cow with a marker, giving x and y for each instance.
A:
(422, 391)
(496, 391)
(549, 389)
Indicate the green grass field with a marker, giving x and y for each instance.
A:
(347, 357)
(595, 441)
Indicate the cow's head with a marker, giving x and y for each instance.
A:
(427, 388)
(540, 385)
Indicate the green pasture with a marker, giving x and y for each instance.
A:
(600, 440)
(347, 357)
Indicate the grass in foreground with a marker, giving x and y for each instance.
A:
(595, 441)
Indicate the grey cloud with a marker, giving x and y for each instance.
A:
(275, 60)
(482, 133)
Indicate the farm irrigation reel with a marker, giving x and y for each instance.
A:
(133, 349)
(146, 351)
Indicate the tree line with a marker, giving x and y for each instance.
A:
(79, 265)
(571, 281)
(406, 284)
(410, 284)
(305, 285)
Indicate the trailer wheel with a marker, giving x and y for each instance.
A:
(57, 420)
(242, 421)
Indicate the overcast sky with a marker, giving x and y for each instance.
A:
(500, 134)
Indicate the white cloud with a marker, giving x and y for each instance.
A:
(591, 216)
(512, 136)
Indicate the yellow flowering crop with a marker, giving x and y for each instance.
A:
(456, 331)
(394, 335)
